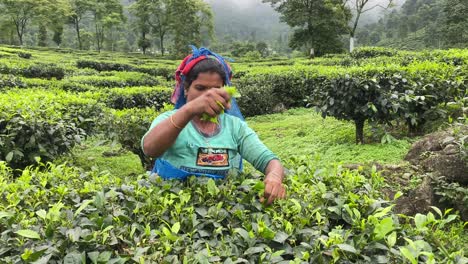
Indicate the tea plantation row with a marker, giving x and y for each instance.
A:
(53, 100)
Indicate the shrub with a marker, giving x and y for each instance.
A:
(43, 124)
(137, 97)
(46, 71)
(128, 126)
(56, 213)
(24, 55)
(10, 81)
(116, 79)
(371, 52)
(103, 66)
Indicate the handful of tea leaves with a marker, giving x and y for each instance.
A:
(232, 91)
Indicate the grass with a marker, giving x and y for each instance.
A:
(102, 155)
(299, 132)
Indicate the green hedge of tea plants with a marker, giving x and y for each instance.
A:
(136, 97)
(385, 93)
(57, 214)
(45, 124)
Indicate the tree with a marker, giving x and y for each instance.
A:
(456, 23)
(106, 14)
(160, 22)
(60, 11)
(79, 9)
(262, 47)
(239, 49)
(20, 12)
(317, 24)
(188, 19)
(359, 7)
(52, 14)
(154, 16)
(141, 9)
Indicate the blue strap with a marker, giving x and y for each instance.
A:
(166, 171)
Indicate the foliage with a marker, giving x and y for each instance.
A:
(317, 24)
(128, 127)
(372, 52)
(10, 81)
(43, 124)
(116, 79)
(190, 19)
(57, 213)
(39, 70)
(137, 97)
(239, 49)
(420, 24)
(383, 92)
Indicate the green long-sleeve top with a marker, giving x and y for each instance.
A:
(217, 154)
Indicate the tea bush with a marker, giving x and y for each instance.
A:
(57, 213)
(137, 97)
(116, 79)
(128, 127)
(35, 123)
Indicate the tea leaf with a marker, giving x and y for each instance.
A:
(28, 233)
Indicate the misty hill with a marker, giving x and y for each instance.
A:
(246, 20)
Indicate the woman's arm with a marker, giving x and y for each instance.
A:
(255, 152)
(274, 175)
(163, 135)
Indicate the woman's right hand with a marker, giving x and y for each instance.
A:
(211, 102)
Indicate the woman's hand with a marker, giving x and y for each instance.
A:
(212, 102)
(274, 189)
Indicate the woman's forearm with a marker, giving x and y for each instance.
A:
(274, 171)
(164, 134)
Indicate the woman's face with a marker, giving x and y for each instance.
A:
(204, 82)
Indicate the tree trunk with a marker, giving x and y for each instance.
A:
(42, 38)
(77, 28)
(20, 33)
(359, 131)
(143, 36)
(98, 37)
(161, 42)
(351, 44)
(415, 130)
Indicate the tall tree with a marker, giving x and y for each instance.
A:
(79, 9)
(106, 14)
(142, 10)
(456, 23)
(161, 20)
(60, 11)
(52, 14)
(317, 24)
(20, 12)
(189, 18)
(359, 7)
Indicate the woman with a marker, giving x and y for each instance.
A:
(185, 144)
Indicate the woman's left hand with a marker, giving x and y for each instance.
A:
(274, 189)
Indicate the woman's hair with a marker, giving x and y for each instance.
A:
(208, 65)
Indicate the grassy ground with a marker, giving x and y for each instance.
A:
(294, 133)
(304, 132)
(102, 155)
